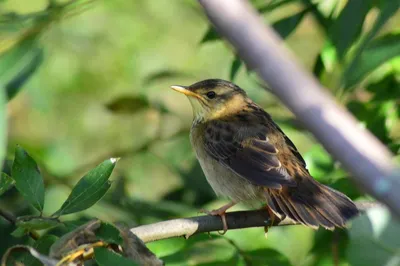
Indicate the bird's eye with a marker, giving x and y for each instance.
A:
(211, 95)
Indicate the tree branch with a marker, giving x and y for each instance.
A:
(201, 224)
(368, 160)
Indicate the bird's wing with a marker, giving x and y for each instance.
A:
(248, 152)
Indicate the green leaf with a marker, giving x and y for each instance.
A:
(319, 16)
(287, 25)
(272, 5)
(375, 54)
(267, 257)
(321, 165)
(3, 124)
(165, 74)
(105, 257)
(109, 234)
(319, 67)
(36, 223)
(376, 234)
(45, 260)
(90, 189)
(6, 183)
(127, 104)
(216, 251)
(19, 232)
(15, 84)
(28, 179)
(347, 27)
(387, 10)
(18, 64)
(385, 89)
(42, 246)
(210, 35)
(236, 64)
(379, 118)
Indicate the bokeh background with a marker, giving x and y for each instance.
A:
(101, 90)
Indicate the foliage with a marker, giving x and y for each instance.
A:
(84, 86)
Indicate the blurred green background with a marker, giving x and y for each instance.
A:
(101, 90)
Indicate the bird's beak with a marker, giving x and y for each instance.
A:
(184, 90)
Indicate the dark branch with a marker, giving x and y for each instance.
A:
(201, 224)
(368, 160)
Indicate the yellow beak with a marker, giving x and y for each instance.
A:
(185, 91)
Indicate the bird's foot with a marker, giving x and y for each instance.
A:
(220, 212)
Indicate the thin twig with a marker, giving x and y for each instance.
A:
(201, 224)
(12, 220)
(8, 216)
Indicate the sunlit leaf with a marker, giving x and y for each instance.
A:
(319, 163)
(347, 27)
(376, 234)
(6, 183)
(379, 118)
(386, 10)
(375, 54)
(105, 257)
(90, 189)
(28, 179)
(212, 35)
(388, 88)
(167, 247)
(287, 25)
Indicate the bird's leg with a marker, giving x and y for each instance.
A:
(221, 212)
(272, 217)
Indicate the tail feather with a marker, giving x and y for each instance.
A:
(312, 204)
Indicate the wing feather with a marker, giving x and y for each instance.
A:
(249, 153)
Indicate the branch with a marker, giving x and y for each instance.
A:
(202, 224)
(368, 160)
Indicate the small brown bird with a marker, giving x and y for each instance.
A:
(246, 157)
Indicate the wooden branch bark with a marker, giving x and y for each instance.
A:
(368, 160)
(187, 227)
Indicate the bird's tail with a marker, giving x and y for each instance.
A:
(312, 204)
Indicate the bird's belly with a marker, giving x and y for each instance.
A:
(224, 181)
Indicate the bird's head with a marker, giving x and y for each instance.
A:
(214, 98)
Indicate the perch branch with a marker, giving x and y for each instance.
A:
(368, 160)
(201, 224)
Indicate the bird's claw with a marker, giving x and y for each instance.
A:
(220, 213)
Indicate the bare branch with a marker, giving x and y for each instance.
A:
(358, 150)
(201, 224)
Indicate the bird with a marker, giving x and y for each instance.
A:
(246, 157)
